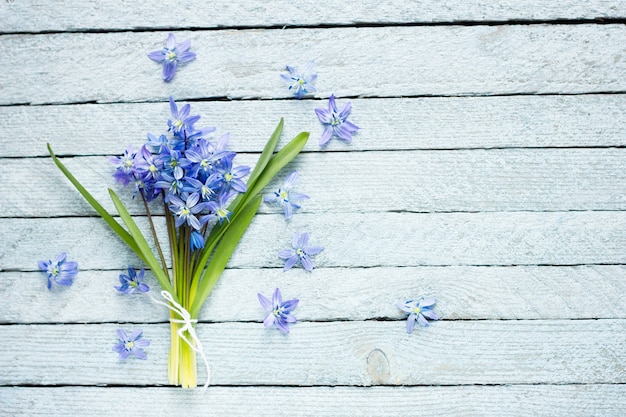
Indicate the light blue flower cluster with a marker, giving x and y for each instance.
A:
(195, 176)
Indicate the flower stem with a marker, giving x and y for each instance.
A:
(154, 234)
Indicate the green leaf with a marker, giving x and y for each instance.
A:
(223, 251)
(114, 225)
(144, 250)
(266, 155)
(269, 149)
(276, 163)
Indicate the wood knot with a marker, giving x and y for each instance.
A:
(378, 367)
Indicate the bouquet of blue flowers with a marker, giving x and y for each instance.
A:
(207, 207)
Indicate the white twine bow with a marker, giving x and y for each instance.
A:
(188, 322)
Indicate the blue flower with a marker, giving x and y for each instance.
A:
(197, 240)
(132, 282)
(301, 252)
(182, 125)
(285, 197)
(131, 344)
(218, 208)
(173, 185)
(186, 210)
(336, 122)
(59, 270)
(126, 165)
(300, 82)
(418, 311)
(279, 313)
(227, 177)
(172, 55)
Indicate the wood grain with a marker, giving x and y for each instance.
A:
(32, 16)
(386, 124)
(444, 60)
(339, 353)
(518, 400)
(463, 293)
(416, 181)
(357, 240)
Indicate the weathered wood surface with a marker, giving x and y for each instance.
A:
(416, 181)
(463, 293)
(387, 124)
(33, 16)
(442, 60)
(354, 240)
(521, 245)
(579, 400)
(336, 353)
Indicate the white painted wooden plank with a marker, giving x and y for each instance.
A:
(443, 60)
(357, 240)
(387, 124)
(463, 293)
(519, 400)
(418, 181)
(337, 353)
(32, 16)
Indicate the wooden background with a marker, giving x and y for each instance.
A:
(489, 173)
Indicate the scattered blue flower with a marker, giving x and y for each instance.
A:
(59, 270)
(285, 197)
(418, 311)
(172, 55)
(336, 122)
(132, 282)
(131, 344)
(279, 313)
(300, 82)
(301, 252)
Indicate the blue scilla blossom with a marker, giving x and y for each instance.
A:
(181, 124)
(131, 344)
(172, 185)
(156, 144)
(126, 166)
(285, 197)
(228, 177)
(278, 312)
(149, 166)
(300, 83)
(419, 310)
(197, 240)
(132, 282)
(205, 156)
(59, 270)
(336, 122)
(300, 252)
(203, 189)
(218, 209)
(172, 55)
(173, 162)
(186, 211)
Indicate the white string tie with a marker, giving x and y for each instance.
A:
(188, 322)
